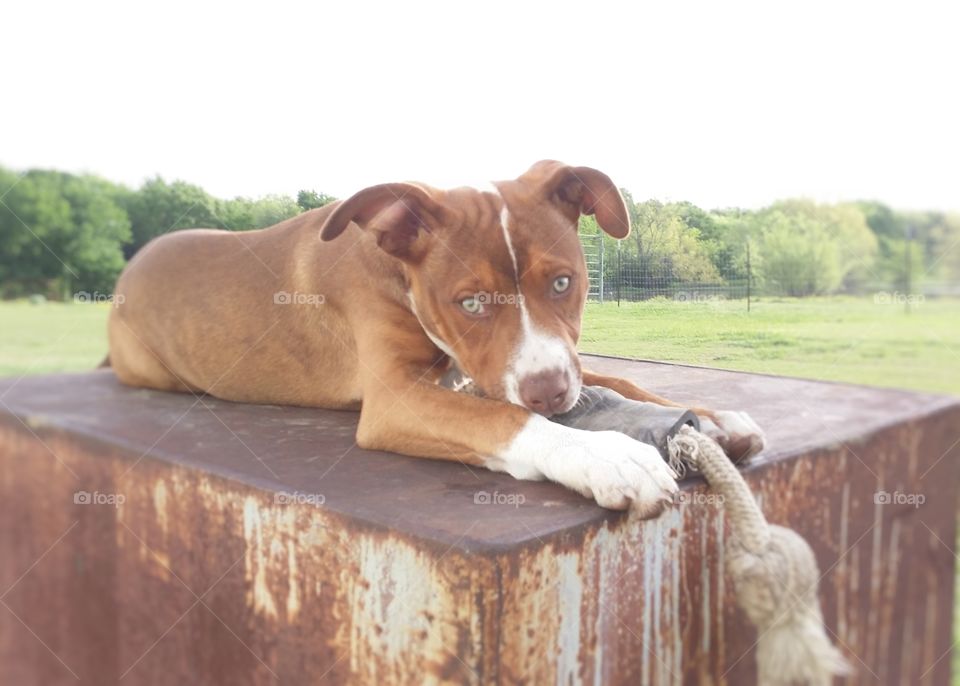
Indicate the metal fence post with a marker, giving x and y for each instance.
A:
(908, 268)
(602, 266)
(619, 270)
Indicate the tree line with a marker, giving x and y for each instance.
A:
(62, 233)
(797, 247)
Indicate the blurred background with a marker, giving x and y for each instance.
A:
(791, 170)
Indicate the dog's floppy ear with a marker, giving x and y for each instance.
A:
(396, 212)
(584, 190)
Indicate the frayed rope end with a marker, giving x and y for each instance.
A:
(774, 571)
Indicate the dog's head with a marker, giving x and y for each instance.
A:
(497, 277)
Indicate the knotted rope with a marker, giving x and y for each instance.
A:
(774, 572)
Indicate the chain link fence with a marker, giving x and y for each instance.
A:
(735, 273)
(616, 276)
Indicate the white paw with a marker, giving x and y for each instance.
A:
(618, 471)
(736, 432)
(608, 466)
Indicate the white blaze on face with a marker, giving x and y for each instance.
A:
(536, 350)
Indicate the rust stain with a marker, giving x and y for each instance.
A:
(620, 601)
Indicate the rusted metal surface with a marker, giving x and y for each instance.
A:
(376, 568)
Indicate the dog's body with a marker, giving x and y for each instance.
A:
(493, 281)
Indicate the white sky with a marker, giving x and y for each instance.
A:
(721, 103)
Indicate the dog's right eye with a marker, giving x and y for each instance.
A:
(472, 305)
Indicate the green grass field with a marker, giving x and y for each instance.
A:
(842, 339)
(52, 337)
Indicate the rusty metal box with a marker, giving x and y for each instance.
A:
(167, 539)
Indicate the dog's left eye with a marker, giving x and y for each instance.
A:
(561, 283)
(472, 305)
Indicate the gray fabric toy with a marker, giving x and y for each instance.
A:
(603, 409)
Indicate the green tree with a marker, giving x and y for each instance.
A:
(808, 248)
(667, 249)
(706, 223)
(63, 233)
(273, 209)
(308, 200)
(34, 219)
(100, 228)
(939, 241)
(901, 264)
(159, 207)
(60, 233)
(799, 257)
(882, 220)
(731, 230)
(242, 214)
(235, 214)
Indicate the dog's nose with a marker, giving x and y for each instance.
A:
(544, 392)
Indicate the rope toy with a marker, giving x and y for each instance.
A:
(774, 572)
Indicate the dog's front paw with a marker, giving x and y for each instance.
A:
(736, 432)
(619, 472)
(608, 466)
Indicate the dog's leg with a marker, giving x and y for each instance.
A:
(408, 415)
(736, 432)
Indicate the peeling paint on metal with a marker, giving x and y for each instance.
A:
(618, 601)
(256, 561)
(293, 583)
(843, 568)
(570, 597)
(160, 504)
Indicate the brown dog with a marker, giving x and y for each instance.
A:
(365, 303)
